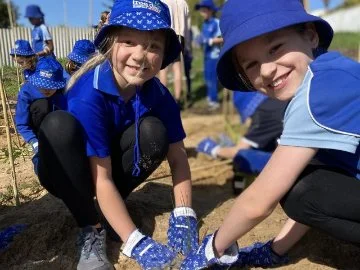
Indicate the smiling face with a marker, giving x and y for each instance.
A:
(276, 63)
(137, 56)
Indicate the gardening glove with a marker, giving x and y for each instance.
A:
(147, 252)
(34, 145)
(208, 147)
(260, 255)
(204, 257)
(182, 234)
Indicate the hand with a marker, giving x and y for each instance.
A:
(147, 252)
(183, 234)
(260, 255)
(208, 147)
(34, 145)
(200, 40)
(205, 257)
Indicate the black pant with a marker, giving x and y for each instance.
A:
(38, 110)
(326, 199)
(64, 168)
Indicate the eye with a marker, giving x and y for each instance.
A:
(127, 42)
(249, 65)
(275, 48)
(155, 46)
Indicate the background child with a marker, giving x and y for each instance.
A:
(42, 94)
(254, 149)
(104, 17)
(210, 39)
(83, 50)
(121, 124)
(41, 38)
(25, 57)
(276, 47)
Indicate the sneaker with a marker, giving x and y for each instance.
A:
(212, 106)
(92, 247)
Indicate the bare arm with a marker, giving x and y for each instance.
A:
(230, 152)
(261, 197)
(48, 49)
(110, 201)
(181, 175)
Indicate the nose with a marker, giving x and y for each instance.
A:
(268, 70)
(139, 52)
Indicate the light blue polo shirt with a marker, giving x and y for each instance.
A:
(39, 35)
(95, 101)
(335, 149)
(211, 29)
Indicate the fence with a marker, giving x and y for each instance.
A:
(63, 38)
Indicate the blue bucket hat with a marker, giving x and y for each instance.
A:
(33, 11)
(22, 48)
(243, 20)
(48, 74)
(207, 4)
(81, 51)
(144, 15)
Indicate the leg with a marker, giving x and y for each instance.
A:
(64, 166)
(177, 79)
(153, 148)
(38, 110)
(212, 81)
(326, 199)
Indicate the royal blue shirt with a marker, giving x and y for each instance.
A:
(27, 95)
(27, 73)
(211, 29)
(95, 101)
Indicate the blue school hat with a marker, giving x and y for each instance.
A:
(48, 74)
(207, 4)
(33, 11)
(22, 48)
(81, 51)
(244, 20)
(142, 15)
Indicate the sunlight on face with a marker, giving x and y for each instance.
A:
(47, 92)
(137, 56)
(276, 63)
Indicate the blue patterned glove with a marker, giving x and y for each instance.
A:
(208, 147)
(34, 145)
(147, 252)
(183, 234)
(260, 255)
(204, 257)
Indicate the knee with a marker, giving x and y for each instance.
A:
(152, 129)
(40, 106)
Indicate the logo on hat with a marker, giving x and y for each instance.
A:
(46, 74)
(147, 4)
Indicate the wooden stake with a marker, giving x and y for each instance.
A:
(8, 136)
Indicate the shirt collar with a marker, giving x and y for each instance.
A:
(104, 79)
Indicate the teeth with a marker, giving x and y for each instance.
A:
(277, 82)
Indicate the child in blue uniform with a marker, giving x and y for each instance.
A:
(83, 50)
(42, 94)
(122, 122)
(276, 47)
(210, 39)
(254, 149)
(25, 57)
(41, 39)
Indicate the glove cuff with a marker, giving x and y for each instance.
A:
(214, 151)
(132, 241)
(230, 256)
(184, 211)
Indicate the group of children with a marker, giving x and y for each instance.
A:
(119, 122)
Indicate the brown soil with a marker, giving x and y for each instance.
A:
(49, 240)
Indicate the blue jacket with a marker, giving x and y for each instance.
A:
(27, 95)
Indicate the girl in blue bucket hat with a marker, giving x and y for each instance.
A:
(210, 40)
(40, 95)
(120, 125)
(274, 46)
(83, 50)
(25, 57)
(41, 38)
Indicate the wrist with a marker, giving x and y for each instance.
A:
(214, 151)
(134, 238)
(184, 211)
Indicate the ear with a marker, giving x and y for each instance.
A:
(311, 35)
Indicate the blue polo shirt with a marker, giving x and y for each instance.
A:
(39, 35)
(27, 95)
(95, 101)
(211, 29)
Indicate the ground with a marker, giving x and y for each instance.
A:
(49, 240)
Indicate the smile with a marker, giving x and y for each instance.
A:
(279, 82)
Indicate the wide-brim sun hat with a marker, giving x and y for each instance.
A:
(207, 4)
(34, 11)
(48, 74)
(22, 48)
(243, 20)
(144, 15)
(82, 50)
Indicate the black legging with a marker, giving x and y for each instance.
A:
(326, 199)
(64, 168)
(38, 110)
